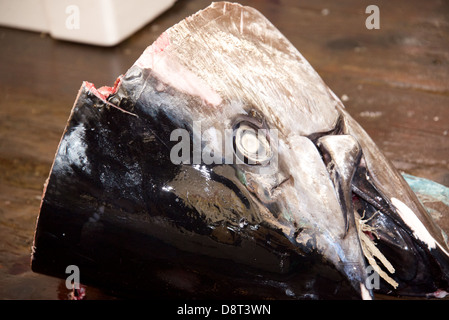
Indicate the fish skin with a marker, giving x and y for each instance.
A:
(221, 65)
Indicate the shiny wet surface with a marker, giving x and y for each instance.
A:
(393, 81)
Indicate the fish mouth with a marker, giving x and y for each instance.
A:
(407, 264)
(402, 261)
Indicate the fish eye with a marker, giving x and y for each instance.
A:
(251, 144)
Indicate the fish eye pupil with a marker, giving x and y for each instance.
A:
(250, 142)
(251, 145)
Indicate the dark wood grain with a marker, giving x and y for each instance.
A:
(395, 82)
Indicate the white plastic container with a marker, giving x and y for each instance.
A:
(97, 22)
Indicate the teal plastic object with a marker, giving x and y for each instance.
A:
(427, 190)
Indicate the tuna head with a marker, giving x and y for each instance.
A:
(222, 140)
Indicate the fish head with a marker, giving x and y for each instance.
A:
(251, 146)
(308, 167)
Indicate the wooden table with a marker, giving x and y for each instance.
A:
(393, 80)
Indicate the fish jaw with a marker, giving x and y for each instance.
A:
(398, 224)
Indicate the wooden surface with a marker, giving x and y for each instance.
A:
(394, 81)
